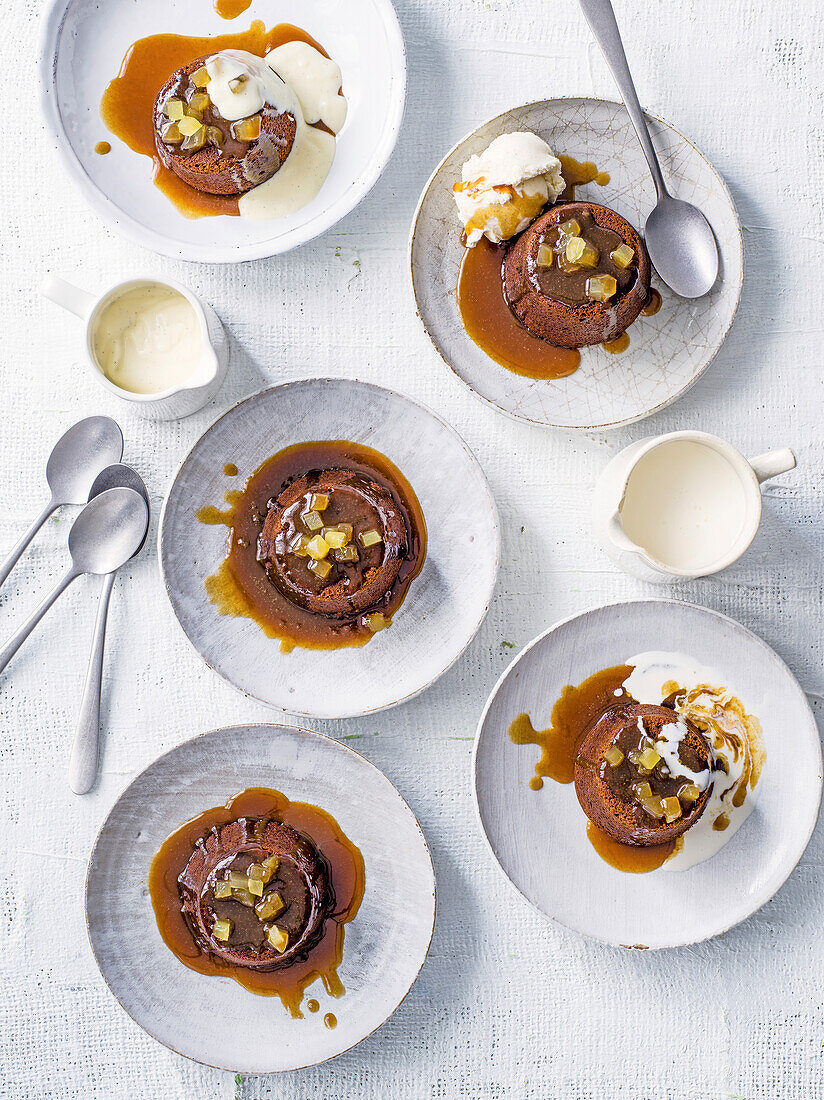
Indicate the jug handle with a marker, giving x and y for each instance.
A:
(773, 463)
(70, 297)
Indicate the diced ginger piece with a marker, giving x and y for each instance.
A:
(600, 288)
(369, 538)
(270, 906)
(613, 756)
(546, 256)
(642, 791)
(335, 537)
(622, 256)
(347, 553)
(312, 520)
(571, 227)
(256, 886)
(318, 548)
(222, 929)
(200, 77)
(648, 758)
(579, 251)
(244, 897)
(194, 142)
(237, 82)
(248, 129)
(173, 109)
(277, 938)
(653, 806)
(188, 125)
(376, 621)
(172, 135)
(271, 863)
(199, 102)
(300, 546)
(672, 809)
(215, 136)
(223, 889)
(321, 567)
(257, 870)
(238, 881)
(319, 502)
(689, 793)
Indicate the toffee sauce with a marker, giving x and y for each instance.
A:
(348, 878)
(240, 587)
(575, 711)
(231, 9)
(127, 106)
(102, 148)
(491, 324)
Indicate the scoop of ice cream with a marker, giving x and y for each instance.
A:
(506, 186)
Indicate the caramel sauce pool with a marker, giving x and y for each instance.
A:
(102, 148)
(576, 709)
(348, 878)
(240, 586)
(231, 9)
(127, 107)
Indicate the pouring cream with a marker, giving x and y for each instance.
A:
(147, 339)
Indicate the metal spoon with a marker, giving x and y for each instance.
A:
(679, 239)
(104, 536)
(84, 754)
(76, 460)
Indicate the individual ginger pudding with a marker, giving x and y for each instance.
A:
(237, 124)
(664, 757)
(326, 539)
(259, 890)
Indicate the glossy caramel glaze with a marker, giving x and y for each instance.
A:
(102, 148)
(241, 586)
(127, 107)
(231, 9)
(625, 857)
(347, 876)
(578, 173)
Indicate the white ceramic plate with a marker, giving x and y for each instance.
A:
(539, 837)
(668, 351)
(83, 44)
(445, 604)
(214, 1020)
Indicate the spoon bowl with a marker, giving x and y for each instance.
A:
(79, 456)
(116, 476)
(108, 531)
(682, 247)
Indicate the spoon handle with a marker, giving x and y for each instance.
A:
(13, 557)
(601, 18)
(83, 759)
(17, 639)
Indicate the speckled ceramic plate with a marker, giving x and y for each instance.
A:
(539, 837)
(668, 352)
(214, 1020)
(82, 46)
(445, 604)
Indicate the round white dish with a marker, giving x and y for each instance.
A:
(539, 837)
(81, 50)
(668, 351)
(214, 1020)
(445, 604)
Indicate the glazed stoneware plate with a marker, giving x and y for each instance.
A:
(667, 351)
(83, 44)
(213, 1019)
(445, 604)
(539, 837)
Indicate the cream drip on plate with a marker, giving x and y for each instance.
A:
(703, 696)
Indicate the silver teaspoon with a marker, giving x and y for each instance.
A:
(104, 536)
(85, 749)
(76, 460)
(679, 239)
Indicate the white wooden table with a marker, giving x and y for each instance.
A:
(507, 1005)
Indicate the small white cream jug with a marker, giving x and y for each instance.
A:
(210, 355)
(682, 505)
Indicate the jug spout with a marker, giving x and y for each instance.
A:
(616, 533)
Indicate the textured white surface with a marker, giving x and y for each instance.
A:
(506, 1005)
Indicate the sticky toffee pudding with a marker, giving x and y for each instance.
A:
(259, 890)
(325, 540)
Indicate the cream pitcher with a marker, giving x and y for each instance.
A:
(152, 342)
(681, 505)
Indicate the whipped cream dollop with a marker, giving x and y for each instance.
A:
(506, 186)
(293, 79)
